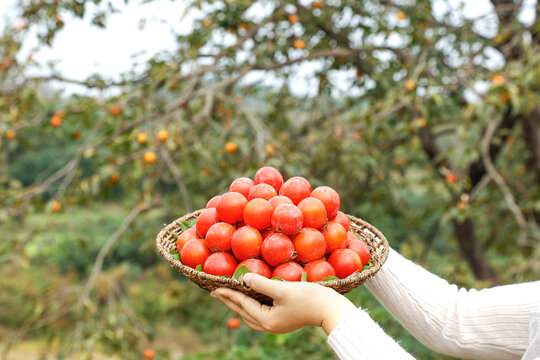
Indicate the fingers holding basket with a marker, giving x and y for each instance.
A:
(246, 307)
(296, 305)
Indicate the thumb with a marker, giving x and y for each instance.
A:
(264, 285)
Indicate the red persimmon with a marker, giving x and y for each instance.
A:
(359, 247)
(335, 237)
(212, 203)
(267, 233)
(207, 218)
(278, 200)
(246, 243)
(220, 264)
(263, 191)
(295, 189)
(345, 262)
(342, 219)
(351, 236)
(302, 179)
(289, 271)
(309, 244)
(257, 266)
(219, 236)
(240, 224)
(148, 354)
(194, 253)
(184, 237)
(313, 211)
(318, 270)
(241, 185)
(276, 249)
(230, 207)
(287, 219)
(270, 176)
(234, 323)
(329, 198)
(258, 214)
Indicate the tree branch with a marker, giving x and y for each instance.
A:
(490, 168)
(477, 169)
(98, 264)
(89, 83)
(177, 178)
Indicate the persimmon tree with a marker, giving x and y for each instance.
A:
(412, 108)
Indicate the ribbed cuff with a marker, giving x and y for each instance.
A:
(533, 351)
(358, 337)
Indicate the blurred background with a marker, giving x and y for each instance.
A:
(119, 116)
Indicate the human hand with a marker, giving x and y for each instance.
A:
(296, 304)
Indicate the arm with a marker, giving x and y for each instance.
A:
(357, 336)
(487, 324)
(301, 304)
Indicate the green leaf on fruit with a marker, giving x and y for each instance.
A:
(278, 278)
(199, 267)
(240, 271)
(175, 236)
(329, 278)
(175, 254)
(185, 225)
(304, 277)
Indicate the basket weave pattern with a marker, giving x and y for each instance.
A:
(376, 241)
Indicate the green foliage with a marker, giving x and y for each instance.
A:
(71, 243)
(34, 161)
(240, 271)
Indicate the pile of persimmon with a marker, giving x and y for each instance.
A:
(276, 228)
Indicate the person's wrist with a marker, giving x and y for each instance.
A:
(339, 305)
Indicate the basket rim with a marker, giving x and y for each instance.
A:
(357, 277)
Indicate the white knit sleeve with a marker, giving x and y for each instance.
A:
(358, 337)
(487, 324)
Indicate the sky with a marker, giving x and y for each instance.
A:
(81, 50)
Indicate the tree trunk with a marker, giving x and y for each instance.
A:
(469, 245)
(472, 251)
(531, 127)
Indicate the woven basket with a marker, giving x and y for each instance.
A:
(376, 241)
